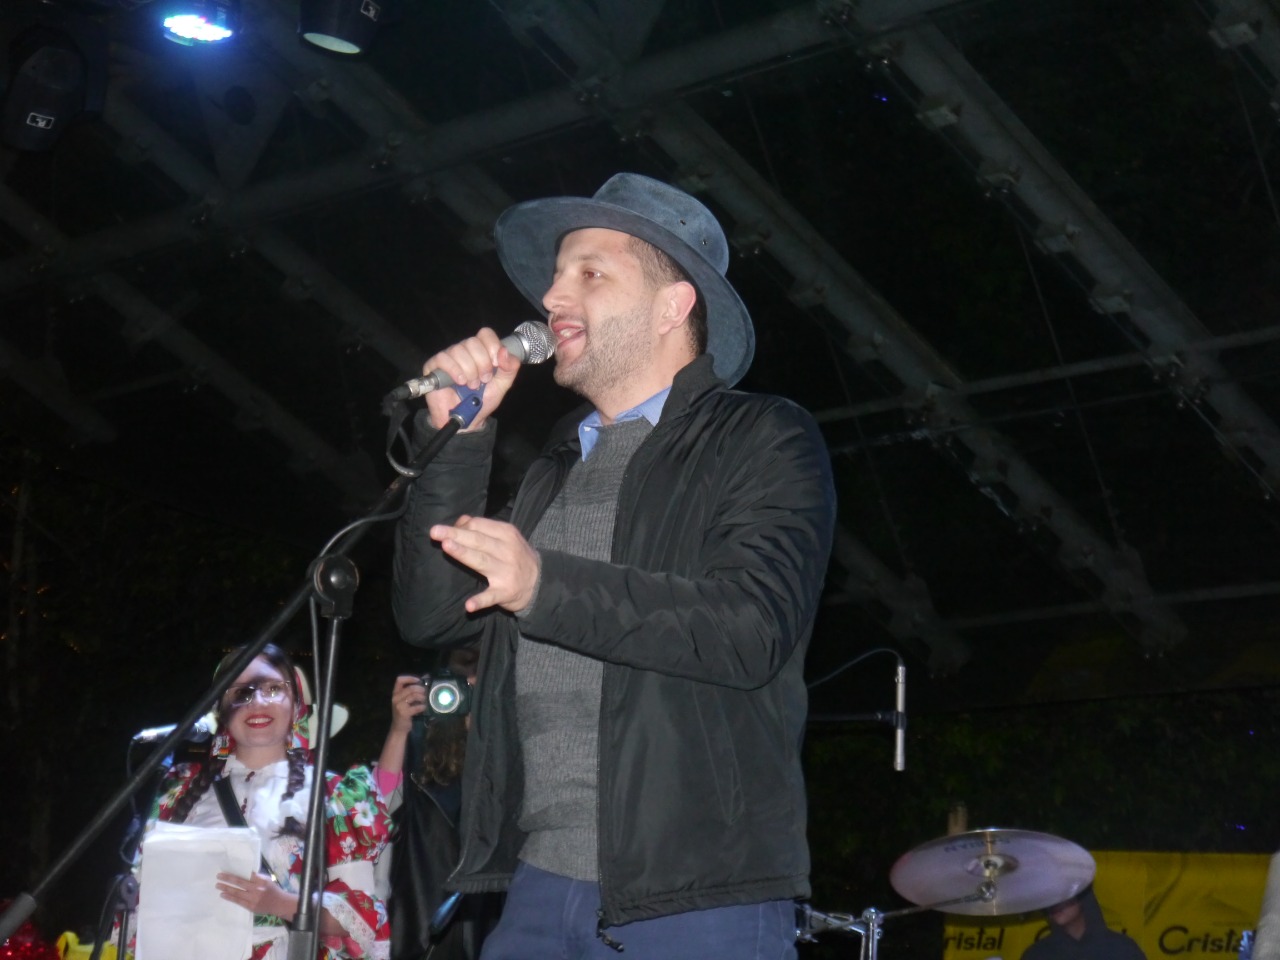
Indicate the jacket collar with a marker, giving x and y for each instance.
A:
(691, 382)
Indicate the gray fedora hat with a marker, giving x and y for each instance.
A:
(528, 236)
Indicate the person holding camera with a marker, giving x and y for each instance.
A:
(420, 775)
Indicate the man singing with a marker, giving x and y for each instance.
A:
(642, 608)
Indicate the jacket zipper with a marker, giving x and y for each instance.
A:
(623, 488)
(464, 845)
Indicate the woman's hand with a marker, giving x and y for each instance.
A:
(261, 895)
(258, 894)
(408, 699)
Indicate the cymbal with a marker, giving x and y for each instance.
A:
(1014, 871)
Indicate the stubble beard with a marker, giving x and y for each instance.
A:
(609, 355)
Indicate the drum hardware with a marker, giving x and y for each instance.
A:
(811, 922)
(988, 872)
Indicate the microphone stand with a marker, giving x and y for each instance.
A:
(331, 576)
(334, 579)
(122, 891)
(896, 718)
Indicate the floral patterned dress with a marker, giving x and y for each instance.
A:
(357, 830)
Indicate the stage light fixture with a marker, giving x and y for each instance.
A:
(343, 26)
(192, 22)
(52, 70)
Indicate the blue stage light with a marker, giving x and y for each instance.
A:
(192, 22)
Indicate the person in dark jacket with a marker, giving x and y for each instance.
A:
(1078, 932)
(643, 606)
(420, 774)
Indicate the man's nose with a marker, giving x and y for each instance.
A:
(556, 298)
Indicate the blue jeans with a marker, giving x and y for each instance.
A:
(550, 917)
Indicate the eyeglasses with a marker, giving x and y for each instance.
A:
(269, 691)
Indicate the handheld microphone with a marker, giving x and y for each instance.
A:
(900, 719)
(532, 342)
(200, 731)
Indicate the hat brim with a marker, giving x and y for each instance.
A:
(304, 731)
(528, 237)
(338, 714)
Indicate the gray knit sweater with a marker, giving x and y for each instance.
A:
(558, 692)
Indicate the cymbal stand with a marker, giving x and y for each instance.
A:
(868, 925)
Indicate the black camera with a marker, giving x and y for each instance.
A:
(448, 695)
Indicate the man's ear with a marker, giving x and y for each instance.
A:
(677, 300)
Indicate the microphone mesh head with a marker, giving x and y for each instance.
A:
(539, 342)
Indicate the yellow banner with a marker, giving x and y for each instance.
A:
(1175, 905)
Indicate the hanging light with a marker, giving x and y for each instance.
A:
(52, 71)
(343, 26)
(192, 22)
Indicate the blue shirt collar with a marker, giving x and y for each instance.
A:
(651, 410)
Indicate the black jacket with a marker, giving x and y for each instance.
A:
(424, 851)
(720, 550)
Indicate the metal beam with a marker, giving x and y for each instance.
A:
(875, 329)
(1251, 30)
(911, 612)
(242, 104)
(35, 378)
(145, 321)
(408, 154)
(1066, 371)
(290, 259)
(1124, 282)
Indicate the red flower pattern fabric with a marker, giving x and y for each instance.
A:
(357, 830)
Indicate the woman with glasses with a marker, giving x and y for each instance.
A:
(258, 774)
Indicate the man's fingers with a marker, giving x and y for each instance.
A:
(473, 537)
(496, 551)
(467, 553)
(469, 361)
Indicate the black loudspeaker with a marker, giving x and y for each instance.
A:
(53, 70)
